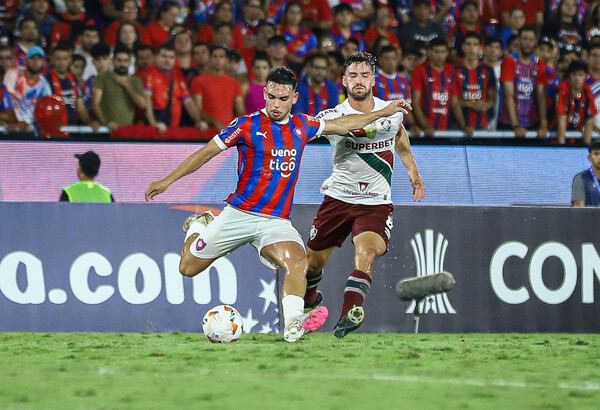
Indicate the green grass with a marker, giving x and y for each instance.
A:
(362, 371)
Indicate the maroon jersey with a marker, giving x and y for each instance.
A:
(577, 108)
(437, 89)
(473, 85)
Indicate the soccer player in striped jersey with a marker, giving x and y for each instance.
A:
(575, 105)
(358, 193)
(476, 84)
(270, 145)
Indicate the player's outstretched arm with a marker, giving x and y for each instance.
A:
(406, 155)
(347, 123)
(189, 165)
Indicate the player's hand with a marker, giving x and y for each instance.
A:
(542, 132)
(418, 186)
(429, 132)
(156, 188)
(520, 132)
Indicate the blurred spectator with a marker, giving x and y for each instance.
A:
(253, 13)
(476, 83)
(167, 91)
(184, 9)
(421, 28)
(349, 47)
(593, 28)
(277, 50)
(201, 56)
(547, 50)
(255, 88)
(469, 21)
(336, 72)
(101, 60)
(522, 79)
(380, 42)
(128, 14)
(534, 12)
(586, 188)
(446, 13)
(326, 43)
(300, 41)
(391, 84)
(512, 45)
(380, 27)
(266, 30)
(117, 94)
(144, 56)
(565, 59)
(64, 85)
(183, 44)
(218, 96)
(564, 27)
(76, 69)
(88, 39)
(38, 12)
(583, 9)
(342, 27)
(27, 84)
(434, 92)
(575, 106)
(8, 118)
(593, 79)
(315, 91)
(29, 36)
(316, 15)
(7, 57)
(234, 68)
(492, 54)
(203, 11)
(362, 12)
(71, 23)
(86, 190)
(129, 36)
(158, 32)
(516, 20)
(411, 57)
(223, 14)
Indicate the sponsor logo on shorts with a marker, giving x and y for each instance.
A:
(313, 232)
(200, 244)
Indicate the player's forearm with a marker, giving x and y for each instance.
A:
(405, 153)
(561, 128)
(98, 112)
(541, 97)
(193, 162)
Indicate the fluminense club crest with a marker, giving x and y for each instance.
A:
(429, 259)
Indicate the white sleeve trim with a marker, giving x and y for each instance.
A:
(219, 142)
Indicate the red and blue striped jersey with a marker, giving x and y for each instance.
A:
(300, 44)
(437, 90)
(269, 154)
(391, 88)
(473, 85)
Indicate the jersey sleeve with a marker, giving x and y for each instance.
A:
(314, 126)
(578, 192)
(329, 114)
(233, 134)
(507, 70)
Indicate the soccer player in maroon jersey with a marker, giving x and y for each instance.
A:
(434, 92)
(476, 84)
(270, 145)
(575, 105)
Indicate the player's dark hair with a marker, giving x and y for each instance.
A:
(594, 146)
(282, 75)
(100, 50)
(358, 58)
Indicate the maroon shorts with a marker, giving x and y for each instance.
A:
(336, 219)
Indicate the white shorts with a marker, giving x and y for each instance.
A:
(233, 228)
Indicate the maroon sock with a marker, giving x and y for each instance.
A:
(310, 297)
(357, 287)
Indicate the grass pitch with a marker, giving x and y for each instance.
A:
(361, 371)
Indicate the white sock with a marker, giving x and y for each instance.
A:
(293, 306)
(195, 227)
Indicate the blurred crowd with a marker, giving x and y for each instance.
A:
(186, 68)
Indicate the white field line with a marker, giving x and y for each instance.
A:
(468, 382)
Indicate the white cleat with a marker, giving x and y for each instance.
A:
(305, 324)
(204, 218)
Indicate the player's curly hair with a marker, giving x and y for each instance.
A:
(282, 75)
(360, 57)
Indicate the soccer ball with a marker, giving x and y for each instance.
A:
(222, 324)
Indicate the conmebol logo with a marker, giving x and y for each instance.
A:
(429, 259)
